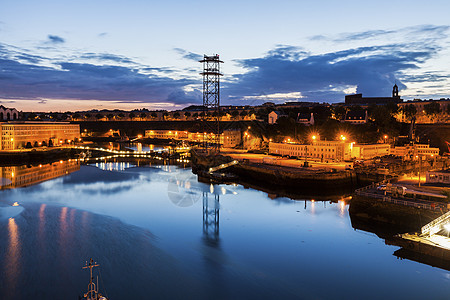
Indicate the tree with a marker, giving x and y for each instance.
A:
(176, 115)
(76, 116)
(143, 115)
(154, 115)
(32, 116)
(234, 113)
(110, 116)
(195, 115)
(121, 115)
(432, 109)
(99, 116)
(131, 115)
(87, 116)
(321, 113)
(410, 111)
(187, 114)
(339, 112)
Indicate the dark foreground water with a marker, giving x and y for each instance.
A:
(159, 234)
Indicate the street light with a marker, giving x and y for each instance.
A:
(447, 227)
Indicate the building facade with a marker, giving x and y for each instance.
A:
(330, 150)
(321, 150)
(414, 151)
(18, 135)
(7, 114)
(232, 138)
(421, 116)
(356, 117)
(369, 151)
(274, 116)
(358, 99)
(441, 176)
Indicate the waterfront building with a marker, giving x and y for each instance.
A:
(330, 150)
(229, 138)
(414, 151)
(18, 135)
(369, 151)
(441, 176)
(358, 99)
(321, 150)
(232, 138)
(7, 114)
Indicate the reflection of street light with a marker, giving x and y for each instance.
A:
(385, 138)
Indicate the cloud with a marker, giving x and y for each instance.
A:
(103, 34)
(188, 55)
(107, 57)
(364, 35)
(60, 79)
(54, 39)
(373, 70)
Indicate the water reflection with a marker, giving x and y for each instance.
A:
(182, 190)
(21, 176)
(211, 219)
(41, 231)
(241, 245)
(113, 166)
(12, 267)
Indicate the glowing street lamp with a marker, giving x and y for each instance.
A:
(343, 137)
(447, 227)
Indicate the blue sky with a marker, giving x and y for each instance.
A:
(68, 55)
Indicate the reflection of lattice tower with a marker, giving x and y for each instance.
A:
(211, 218)
(211, 99)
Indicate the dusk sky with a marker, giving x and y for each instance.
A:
(76, 55)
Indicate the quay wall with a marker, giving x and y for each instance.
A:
(33, 157)
(295, 178)
(399, 217)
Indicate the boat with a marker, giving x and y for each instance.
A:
(92, 293)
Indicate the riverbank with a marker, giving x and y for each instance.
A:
(33, 156)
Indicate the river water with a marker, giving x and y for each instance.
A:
(158, 233)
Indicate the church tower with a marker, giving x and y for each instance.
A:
(395, 91)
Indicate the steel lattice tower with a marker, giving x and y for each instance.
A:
(211, 100)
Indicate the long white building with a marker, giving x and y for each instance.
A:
(330, 150)
(17, 135)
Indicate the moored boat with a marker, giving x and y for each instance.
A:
(92, 293)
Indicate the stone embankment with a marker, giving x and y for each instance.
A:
(278, 176)
(37, 156)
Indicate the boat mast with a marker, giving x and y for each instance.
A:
(92, 291)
